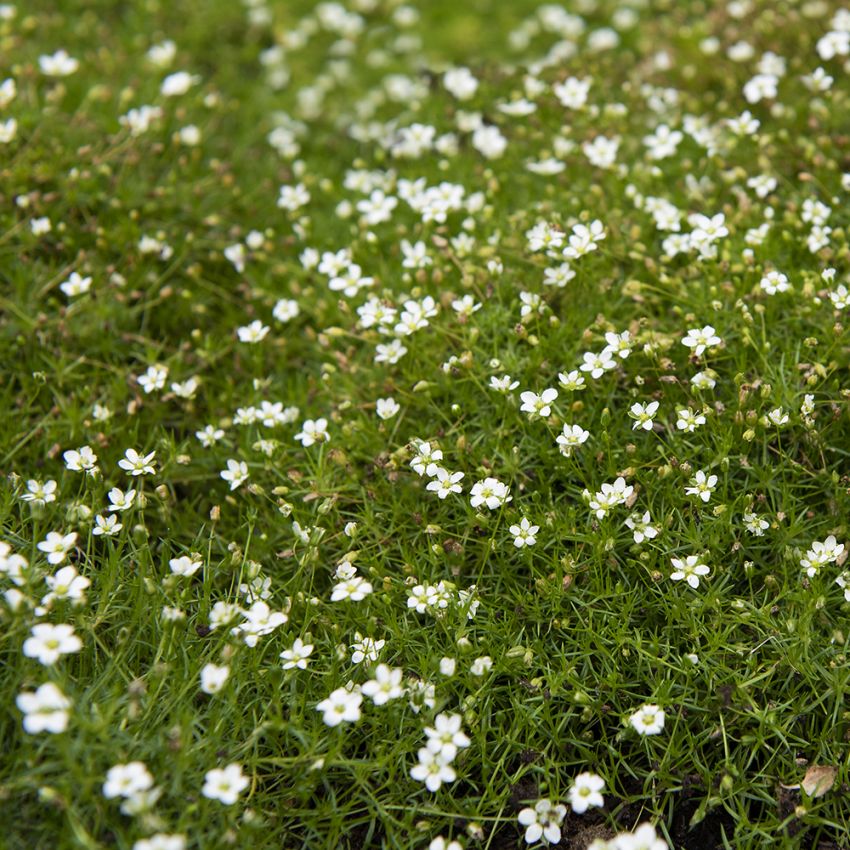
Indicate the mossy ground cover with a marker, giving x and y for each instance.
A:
(424, 423)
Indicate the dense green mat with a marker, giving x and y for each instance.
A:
(425, 423)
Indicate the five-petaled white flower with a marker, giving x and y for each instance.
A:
(46, 710)
(699, 339)
(701, 485)
(384, 685)
(342, 705)
(57, 546)
(524, 534)
(444, 482)
(690, 569)
(538, 405)
(236, 473)
(137, 464)
(298, 655)
(313, 431)
(225, 784)
(571, 438)
(543, 822)
(641, 526)
(647, 720)
(643, 415)
(491, 493)
(127, 780)
(433, 769)
(586, 791)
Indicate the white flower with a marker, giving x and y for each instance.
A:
(285, 310)
(641, 527)
(699, 339)
(57, 545)
(444, 482)
(253, 333)
(571, 381)
(774, 282)
(365, 648)
(46, 710)
(460, 83)
(341, 706)
(154, 378)
(643, 415)
(185, 566)
(647, 720)
(385, 684)
(572, 93)
(441, 843)
(80, 460)
(481, 665)
(834, 43)
(843, 581)
(465, 306)
(597, 364)
(40, 493)
(701, 485)
(609, 496)
(571, 438)
(137, 464)
(489, 141)
(236, 473)
(449, 665)
(298, 655)
(778, 417)
(524, 533)
(491, 493)
(121, 500)
(161, 841)
(185, 389)
(353, 589)
(761, 87)
(292, 198)
(543, 822)
(67, 584)
(8, 92)
(178, 83)
(688, 420)
(583, 239)
(703, 381)
(213, 678)
(446, 735)
(755, 524)
(619, 344)
(313, 431)
(601, 152)
(386, 408)
(58, 64)
(820, 554)
(139, 121)
(663, 142)
(127, 780)
(75, 285)
(538, 405)
(259, 620)
(106, 526)
(586, 791)
(162, 55)
(425, 462)
(390, 353)
(225, 785)
(690, 569)
(433, 769)
(503, 384)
